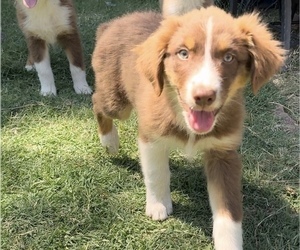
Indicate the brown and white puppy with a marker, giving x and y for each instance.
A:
(45, 22)
(185, 78)
(179, 7)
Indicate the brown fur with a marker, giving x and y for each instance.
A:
(218, 165)
(136, 66)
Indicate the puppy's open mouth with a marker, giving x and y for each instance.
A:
(201, 121)
(29, 3)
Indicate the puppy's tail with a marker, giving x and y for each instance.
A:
(101, 30)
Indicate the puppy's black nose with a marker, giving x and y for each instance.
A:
(205, 98)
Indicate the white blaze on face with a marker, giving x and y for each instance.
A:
(206, 78)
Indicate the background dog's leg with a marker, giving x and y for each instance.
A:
(223, 170)
(155, 167)
(72, 46)
(39, 52)
(30, 62)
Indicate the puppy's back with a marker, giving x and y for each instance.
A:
(113, 60)
(121, 34)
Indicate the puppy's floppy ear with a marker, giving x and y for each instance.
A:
(151, 53)
(267, 55)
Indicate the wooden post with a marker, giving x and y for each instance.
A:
(286, 22)
(233, 7)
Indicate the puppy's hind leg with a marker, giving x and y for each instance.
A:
(107, 131)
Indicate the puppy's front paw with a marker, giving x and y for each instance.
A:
(158, 210)
(227, 233)
(111, 141)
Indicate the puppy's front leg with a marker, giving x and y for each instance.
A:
(155, 166)
(223, 170)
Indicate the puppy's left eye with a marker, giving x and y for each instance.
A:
(228, 58)
(183, 54)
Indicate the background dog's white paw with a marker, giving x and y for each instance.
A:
(83, 88)
(79, 80)
(111, 141)
(158, 211)
(48, 90)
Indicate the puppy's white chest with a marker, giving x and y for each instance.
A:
(190, 150)
(48, 20)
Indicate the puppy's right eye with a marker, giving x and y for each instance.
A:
(183, 54)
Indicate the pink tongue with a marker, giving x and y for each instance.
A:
(201, 121)
(30, 3)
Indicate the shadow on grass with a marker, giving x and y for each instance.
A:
(266, 214)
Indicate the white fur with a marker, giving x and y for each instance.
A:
(79, 80)
(227, 234)
(179, 7)
(206, 78)
(45, 75)
(191, 148)
(29, 67)
(229, 142)
(47, 19)
(155, 167)
(111, 141)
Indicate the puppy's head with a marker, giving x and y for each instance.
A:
(205, 58)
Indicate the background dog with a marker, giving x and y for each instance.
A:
(179, 7)
(185, 79)
(45, 22)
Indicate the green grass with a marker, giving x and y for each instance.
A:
(60, 190)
